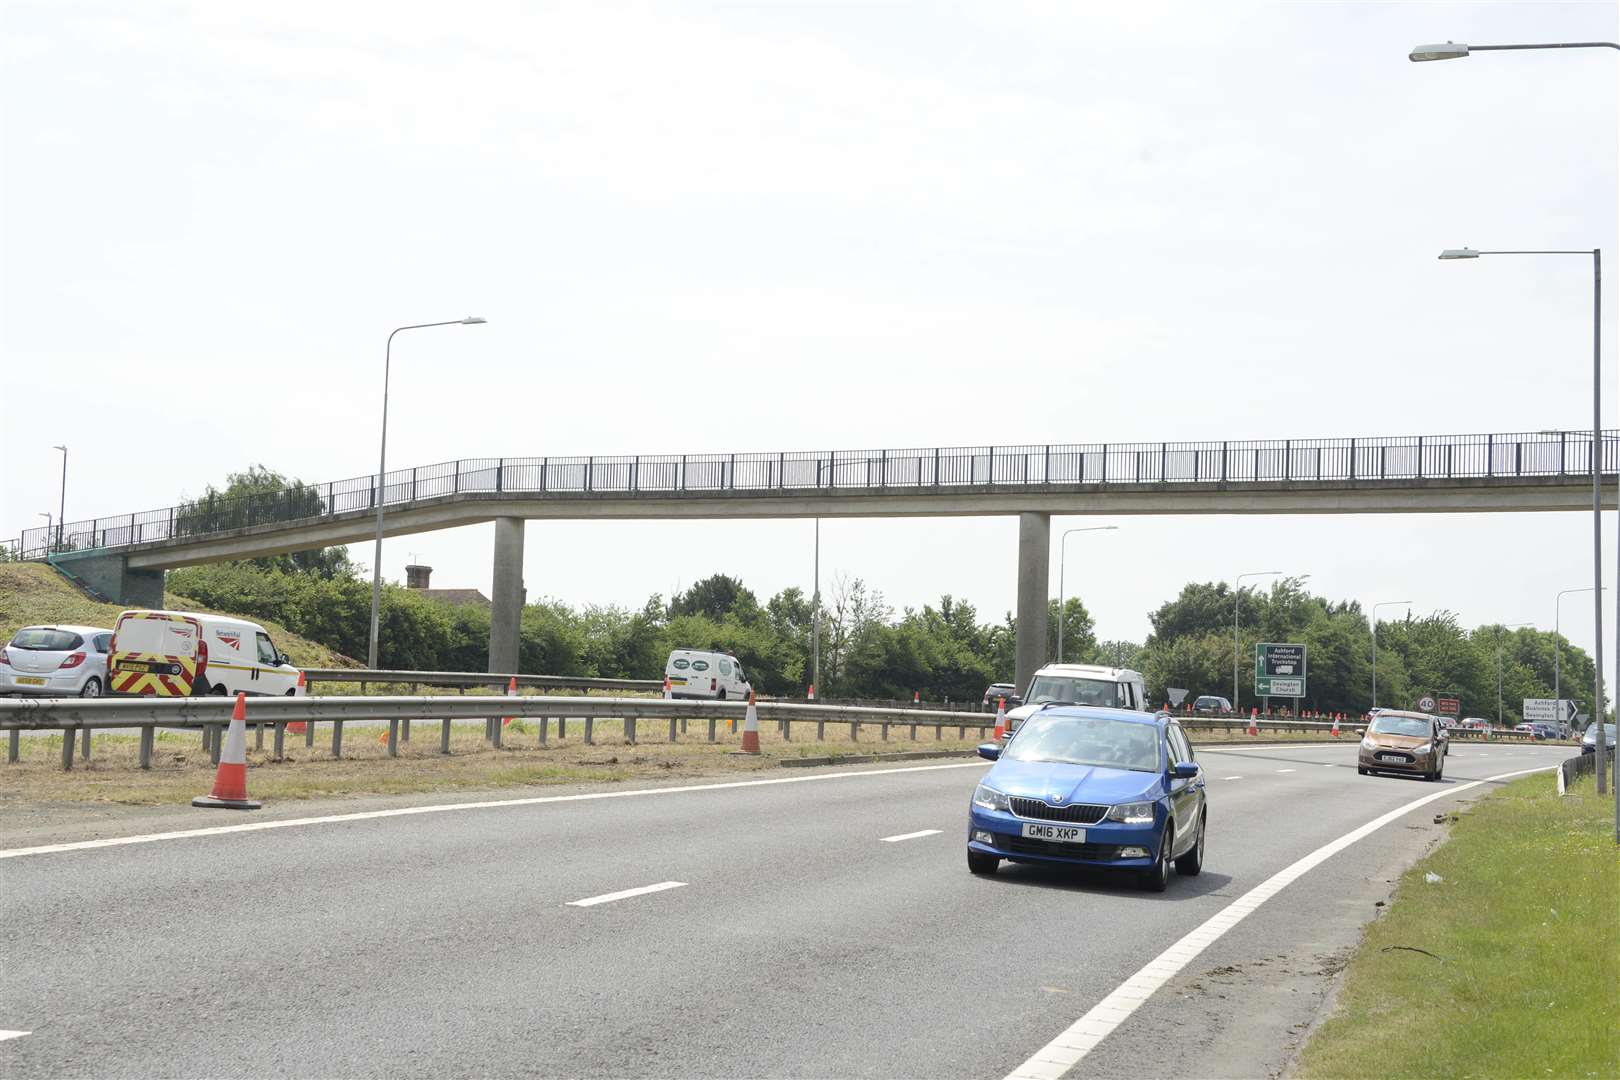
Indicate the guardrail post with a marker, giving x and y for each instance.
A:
(337, 739)
(590, 739)
(281, 737)
(393, 737)
(821, 731)
(683, 725)
(672, 729)
(711, 729)
(215, 737)
(84, 741)
(854, 731)
(14, 747)
(146, 745)
(496, 724)
(885, 727)
(630, 730)
(444, 736)
(309, 733)
(913, 731)
(961, 731)
(562, 728)
(405, 730)
(258, 735)
(68, 737)
(939, 732)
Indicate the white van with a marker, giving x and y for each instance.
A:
(189, 654)
(1081, 684)
(708, 675)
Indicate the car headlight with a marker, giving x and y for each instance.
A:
(990, 799)
(1424, 749)
(1367, 744)
(1132, 813)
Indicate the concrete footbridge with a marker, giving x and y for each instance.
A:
(124, 556)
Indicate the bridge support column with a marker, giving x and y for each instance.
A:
(1034, 570)
(506, 599)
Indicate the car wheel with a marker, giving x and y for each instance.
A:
(1190, 864)
(1361, 770)
(1439, 771)
(1158, 878)
(722, 696)
(219, 690)
(980, 863)
(91, 687)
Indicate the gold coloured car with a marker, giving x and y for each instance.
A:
(1403, 742)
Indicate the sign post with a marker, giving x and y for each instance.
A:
(1279, 670)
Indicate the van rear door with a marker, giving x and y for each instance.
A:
(156, 654)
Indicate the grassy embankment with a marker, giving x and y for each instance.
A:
(1508, 966)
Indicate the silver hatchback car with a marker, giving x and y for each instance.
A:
(56, 661)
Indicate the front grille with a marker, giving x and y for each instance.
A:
(1078, 814)
(1024, 846)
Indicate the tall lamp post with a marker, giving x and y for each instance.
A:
(1597, 478)
(815, 618)
(1063, 553)
(1375, 607)
(61, 507)
(382, 472)
(1558, 640)
(1499, 629)
(1453, 51)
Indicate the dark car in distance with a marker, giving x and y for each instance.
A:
(1002, 691)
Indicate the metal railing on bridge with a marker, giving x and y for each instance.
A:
(1405, 457)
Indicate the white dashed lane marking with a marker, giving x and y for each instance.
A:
(4, 1035)
(910, 836)
(1285, 770)
(608, 898)
(1231, 778)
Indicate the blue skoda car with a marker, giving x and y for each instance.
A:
(1091, 787)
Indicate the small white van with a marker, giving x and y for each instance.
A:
(190, 654)
(1081, 684)
(708, 675)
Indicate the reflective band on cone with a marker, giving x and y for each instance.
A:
(750, 740)
(230, 781)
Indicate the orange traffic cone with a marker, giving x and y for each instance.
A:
(511, 689)
(812, 691)
(916, 697)
(668, 692)
(296, 727)
(230, 780)
(1254, 727)
(750, 739)
(1335, 731)
(1001, 720)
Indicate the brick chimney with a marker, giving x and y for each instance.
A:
(416, 577)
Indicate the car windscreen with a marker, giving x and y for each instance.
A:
(1087, 740)
(1401, 725)
(1074, 691)
(44, 639)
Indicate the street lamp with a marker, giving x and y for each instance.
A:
(815, 617)
(1063, 553)
(1597, 477)
(1499, 629)
(382, 472)
(1558, 607)
(61, 509)
(1453, 50)
(1375, 607)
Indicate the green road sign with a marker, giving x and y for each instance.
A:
(1279, 670)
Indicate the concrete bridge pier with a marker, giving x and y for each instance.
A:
(1034, 569)
(506, 596)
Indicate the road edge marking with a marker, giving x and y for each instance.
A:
(4, 1035)
(909, 836)
(1077, 1040)
(625, 894)
(442, 808)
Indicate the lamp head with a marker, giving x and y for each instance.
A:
(1449, 51)
(1459, 253)
(473, 320)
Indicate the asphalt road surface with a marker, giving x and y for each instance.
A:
(819, 927)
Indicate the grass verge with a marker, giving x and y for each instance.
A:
(1505, 967)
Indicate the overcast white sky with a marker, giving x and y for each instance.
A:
(848, 225)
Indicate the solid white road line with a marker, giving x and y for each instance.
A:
(1280, 770)
(1064, 1052)
(625, 894)
(4, 1035)
(441, 808)
(910, 836)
